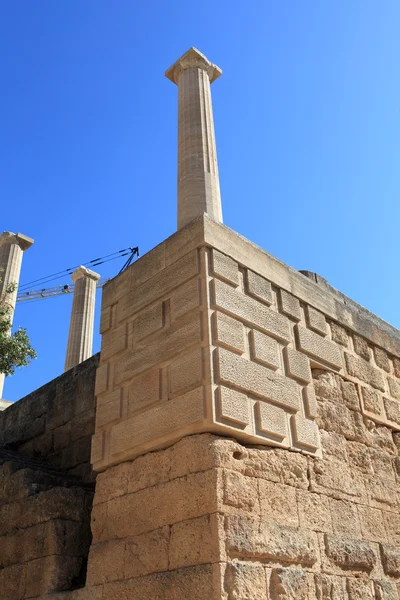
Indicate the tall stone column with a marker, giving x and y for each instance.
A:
(12, 247)
(80, 337)
(198, 181)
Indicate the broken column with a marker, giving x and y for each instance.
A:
(80, 337)
(198, 181)
(12, 247)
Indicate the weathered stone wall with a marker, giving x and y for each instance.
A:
(55, 422)
(44, 528)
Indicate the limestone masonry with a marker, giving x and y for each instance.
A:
(246, 428)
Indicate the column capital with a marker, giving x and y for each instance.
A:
(81, 272)
(23, 241)
(192, 59)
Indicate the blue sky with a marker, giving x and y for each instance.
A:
(307, 128)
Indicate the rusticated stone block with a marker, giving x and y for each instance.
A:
(233, 406)
(144, 391)
(318, 347)
(265, 349)
(185, 299)
(305, 432)
(371, 400)
(186, 372)
(339, 334)
(105, 319)
(316, 320)
(330, 587)
(246, 538)
(258, 380)
(349, 553)
(297, 365)
(240, 492)
(361, 369)
(272, 421)
(392, 410)
(361, 347)
(147, 553)
(229, 332)
(251, 311)
(149, 321)
(314, 511)
(224, 267)
(289, 305)
(192, 542)
(310, 402)
(372, 524)
(381, 359)
(289, 584)
(115, 341)
(394, 387)
(360, 589)
(278, 503)
(245, 580)
(385, 590)
(101, 384)
(391, 560)
(258, 287)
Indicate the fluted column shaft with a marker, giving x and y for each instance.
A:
(80, 337)
(198, 180)
(12, 248)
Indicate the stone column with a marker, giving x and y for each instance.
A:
(198, 181)
(80, 337)
(12, 247)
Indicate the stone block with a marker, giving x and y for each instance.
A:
(228, 332)
(182, 334)
(160, 285)
(385, 590)
(185, 299)
(314, 511)
(247, 538)
(392, 410)
(334, 478)
(186, 372)
(256, 379)
(345, 518)
(106, 562)
(99, 523)
(361, 369)
(289, 584)
(245, 581)
(297, 365)
(289, 305)
(339, 334)
(97, 450)
(181, 414)
(250, 311)
(233, 407)
(101, 379)
(349, 553)
(396, 367)
(278, 503)
(359, 457)
(305, 432)
(350, 395)
(316, 320)
(149, 321)
(105, 319)
(113, 342)
(264, 349)
(240, 492)
(372, 524)
(394, 387)
(12, 582)
(195, 542)
(110, 412)
(272, 422)
(330, 587)
(371, 400)
(360, 589)
(391, 560)
(318, 347)
(224, 267)
(381, 359)
(146, 554)
(258, 287)
(144, 391)
(56, 573)
(361, 347)
(310, 402)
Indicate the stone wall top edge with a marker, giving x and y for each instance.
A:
(320, 295)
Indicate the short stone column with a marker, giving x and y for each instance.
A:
(80, 337)
(12, 247)
(198, 181)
